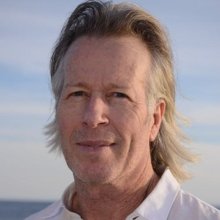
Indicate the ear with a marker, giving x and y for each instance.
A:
(158, 114)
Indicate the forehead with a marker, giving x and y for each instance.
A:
(107, 59)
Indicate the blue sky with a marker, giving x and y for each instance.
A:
(28, 30)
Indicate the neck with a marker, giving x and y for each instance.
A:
(112, 200)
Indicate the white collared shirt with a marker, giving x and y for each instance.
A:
(166, 202)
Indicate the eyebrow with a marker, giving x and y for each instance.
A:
(116, 86)
(79, 84)
(86, 85)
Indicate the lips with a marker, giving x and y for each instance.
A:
(94, 146)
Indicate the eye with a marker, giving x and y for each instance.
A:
(119, 95)
(78, 94)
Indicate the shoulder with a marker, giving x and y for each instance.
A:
(187, 206)
(49, 212)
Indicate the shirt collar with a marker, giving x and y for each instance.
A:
(158, 203)
(52, 210)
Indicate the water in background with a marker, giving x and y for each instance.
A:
(16, 210)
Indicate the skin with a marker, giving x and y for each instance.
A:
(106, 126)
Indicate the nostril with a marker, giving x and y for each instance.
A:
(95, 113)
(95, 123)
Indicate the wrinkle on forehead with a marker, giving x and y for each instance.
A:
(113, 51)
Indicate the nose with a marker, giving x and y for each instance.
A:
(95, 113)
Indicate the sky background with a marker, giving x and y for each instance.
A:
(28, 30)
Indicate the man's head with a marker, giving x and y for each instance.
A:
(103, 117)
(102, 21)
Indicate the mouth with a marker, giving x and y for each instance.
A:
(89, 145)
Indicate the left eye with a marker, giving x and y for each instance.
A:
(119, 95)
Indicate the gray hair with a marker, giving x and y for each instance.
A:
(103, 19)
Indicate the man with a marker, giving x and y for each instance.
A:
(115, 120)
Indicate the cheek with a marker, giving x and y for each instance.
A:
(130, 120)
(133, 114)
(67, 119)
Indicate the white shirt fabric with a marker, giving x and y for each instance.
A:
(166, 202)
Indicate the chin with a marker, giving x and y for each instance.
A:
(94, 177)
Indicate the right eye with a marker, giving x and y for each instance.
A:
(78, 93)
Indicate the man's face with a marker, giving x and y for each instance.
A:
(102, 114)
